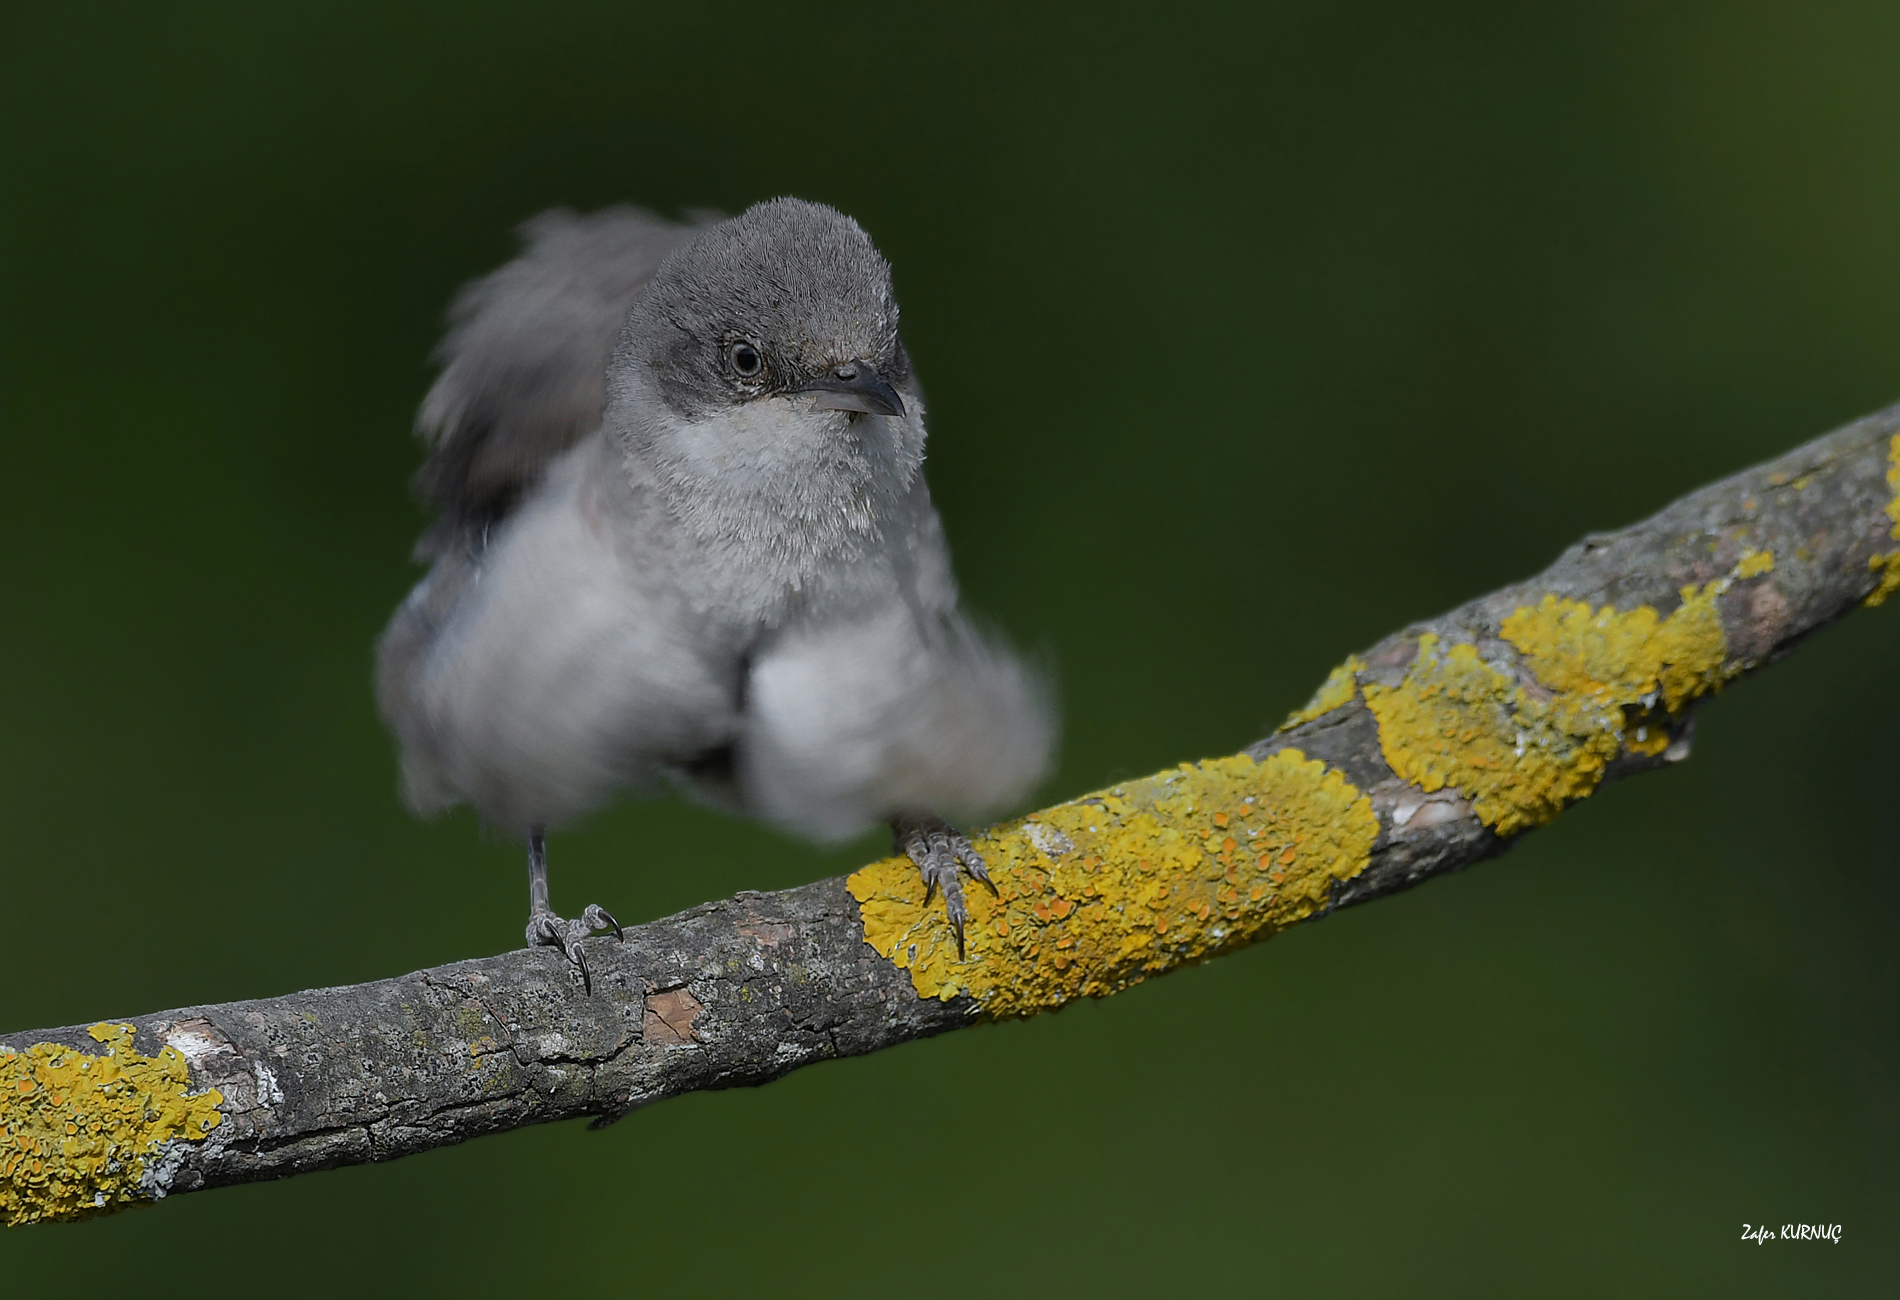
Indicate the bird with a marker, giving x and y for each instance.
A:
(682, 541)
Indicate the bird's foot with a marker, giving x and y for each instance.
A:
(938, 849)
(547, 929)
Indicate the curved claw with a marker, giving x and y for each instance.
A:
(599, 918)
(939, 850)
(546, 930)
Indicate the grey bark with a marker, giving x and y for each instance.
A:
(742, 991)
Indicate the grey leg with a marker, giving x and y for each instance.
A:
(545, 928)
(938, 848)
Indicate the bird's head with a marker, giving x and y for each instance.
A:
(768, 345)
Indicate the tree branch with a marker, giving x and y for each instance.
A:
(1433, 750)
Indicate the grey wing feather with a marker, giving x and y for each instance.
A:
(525, 358)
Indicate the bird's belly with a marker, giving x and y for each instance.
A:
(561, 681)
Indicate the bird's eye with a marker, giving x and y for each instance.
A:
(745, 359)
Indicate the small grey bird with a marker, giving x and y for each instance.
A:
(683, 537)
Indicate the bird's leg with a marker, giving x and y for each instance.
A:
(938, 848)
(544, 927)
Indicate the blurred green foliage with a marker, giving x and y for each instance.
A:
(1252, 332)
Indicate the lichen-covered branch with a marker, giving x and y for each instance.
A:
(1432, 750)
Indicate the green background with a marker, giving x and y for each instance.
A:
(1251, 333)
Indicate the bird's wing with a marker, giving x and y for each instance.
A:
(525, 358)
(862, 720)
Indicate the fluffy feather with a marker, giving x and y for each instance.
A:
(525, 358)
(686, 571)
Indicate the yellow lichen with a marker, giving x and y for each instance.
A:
(1888, 566)
(81, 1131)
(1335, 691)
(1457, 721)
(1521, 754)
(1755, 563)
(1104, 891)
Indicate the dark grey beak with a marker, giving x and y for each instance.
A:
(854, 386)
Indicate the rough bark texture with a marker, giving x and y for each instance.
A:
(1826, 511)
(731, 993)
(742, 991)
